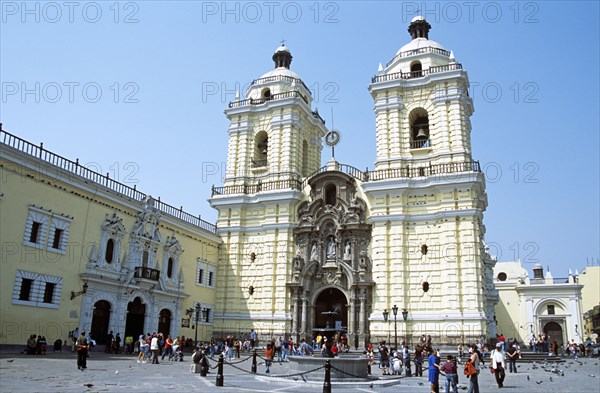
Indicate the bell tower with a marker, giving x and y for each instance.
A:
(422, 105)
(275, 142)
(427, 196)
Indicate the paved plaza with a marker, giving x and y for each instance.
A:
(57, 372)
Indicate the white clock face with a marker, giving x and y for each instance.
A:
(332, 138)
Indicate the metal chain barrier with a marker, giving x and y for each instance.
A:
(351, 375)
(239, 361)
(279, 375)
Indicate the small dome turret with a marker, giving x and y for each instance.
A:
(282, 57)
(419, 28)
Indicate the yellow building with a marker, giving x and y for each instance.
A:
(542, 304)
(309, 250)
(590, 299)
(80, 250)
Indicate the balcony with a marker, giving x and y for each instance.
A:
(416, 74)
(259, 163)
(420, 144)
(147, 273)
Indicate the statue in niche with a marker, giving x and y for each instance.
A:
(298, 263)
(331, 248)
(347, 251)
(314, 253)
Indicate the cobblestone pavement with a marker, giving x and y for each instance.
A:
(57, 372)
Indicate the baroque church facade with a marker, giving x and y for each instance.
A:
(298, 248)
(310, 249)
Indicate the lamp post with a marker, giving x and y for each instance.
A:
(204, 315)
(405, 317)
(386, 314)
(79, 293)
(195, 312)
(395, 311)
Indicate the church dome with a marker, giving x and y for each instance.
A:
(419, 43)
(281, 71)
(419, 31)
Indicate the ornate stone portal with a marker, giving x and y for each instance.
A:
(332, 240)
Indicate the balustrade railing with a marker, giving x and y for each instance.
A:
(259, 163)
(416, 74)
(366, 176)
(147, 273)
(74, 167)
(420, 144)
(262, 100)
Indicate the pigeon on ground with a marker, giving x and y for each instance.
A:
(371, 386)
(89, 385)
(529, 379)
(551, 379)
(538, 382)
(420, 383)
(10, 360)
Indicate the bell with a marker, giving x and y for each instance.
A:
(422, 134)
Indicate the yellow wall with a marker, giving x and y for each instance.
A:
(27, 181)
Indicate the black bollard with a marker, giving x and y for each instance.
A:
(327, 382)
(219, 381)
(253, 369)
(203, 366)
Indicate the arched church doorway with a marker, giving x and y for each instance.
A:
(554, 332)
(164, 322)
(136, 311)
(331, 313)
(100, 321)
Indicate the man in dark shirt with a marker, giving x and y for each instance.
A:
(449, 368)
(384, 358)
(512, 355)
(109, 341)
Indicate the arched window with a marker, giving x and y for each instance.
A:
(261, 150)
(330, 194)
(145, 258)
(110, 249)
(266, 94)
(170, 267)
(416, 70)
(419, 129)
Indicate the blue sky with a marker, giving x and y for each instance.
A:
(138, 89)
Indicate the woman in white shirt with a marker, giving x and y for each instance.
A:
(154, 348)
(142, 346)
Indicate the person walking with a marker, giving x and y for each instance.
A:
(384, 358)
(81, 344)
(418, 361)
(154, 349)
(168, 348)
(498, 365)
(268, 357)
(475, 358)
